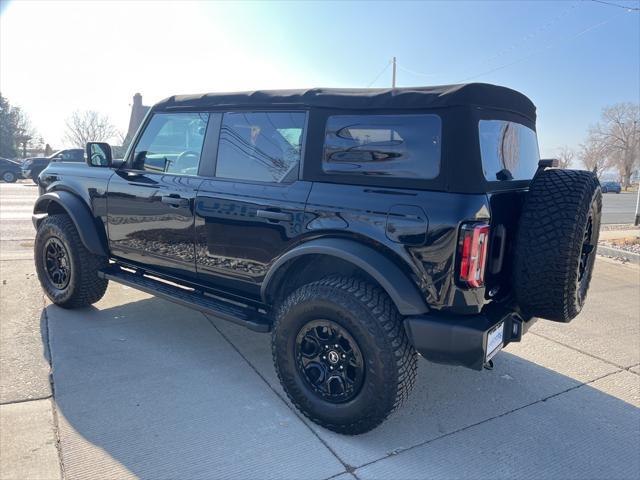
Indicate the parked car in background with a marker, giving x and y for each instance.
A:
(611, 187)
(32, 167)
(9, 170)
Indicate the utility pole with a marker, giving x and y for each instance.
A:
(636, 222)
(393, 78)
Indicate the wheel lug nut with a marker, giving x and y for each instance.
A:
(324, 358)
(330, 368)
(336, 345)
(344, 356)
(341, 367)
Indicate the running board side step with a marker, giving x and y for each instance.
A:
(241, 315)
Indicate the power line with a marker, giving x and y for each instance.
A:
(380, 74)
(617, 5)
(511, 48)
(530, 36)
(535, 52)
(420, 74)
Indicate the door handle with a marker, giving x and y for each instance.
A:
(277, 216)
(175, 201)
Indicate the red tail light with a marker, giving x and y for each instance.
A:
(473, 242)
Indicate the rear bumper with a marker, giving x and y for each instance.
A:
(462, 339)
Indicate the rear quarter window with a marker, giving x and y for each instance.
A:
(509, 150)
(400, 146)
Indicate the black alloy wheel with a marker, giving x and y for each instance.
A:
(341, 353)
(587, 249)
(329, 360)
(57, 263)
(68, 272)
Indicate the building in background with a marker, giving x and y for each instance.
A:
(138, 111)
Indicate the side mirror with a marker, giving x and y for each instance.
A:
(99, 154)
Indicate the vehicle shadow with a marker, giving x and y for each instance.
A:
(152, 390)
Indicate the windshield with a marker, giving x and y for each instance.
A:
(509, 150)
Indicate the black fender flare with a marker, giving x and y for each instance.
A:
(80, 214)
(403, 292)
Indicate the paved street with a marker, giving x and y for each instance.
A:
(16, 230)
(619, 208)
(145, 388)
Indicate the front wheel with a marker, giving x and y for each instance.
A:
(9, 177)
(342, 355)
(67, 271)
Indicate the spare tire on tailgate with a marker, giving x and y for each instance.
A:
(556, 243)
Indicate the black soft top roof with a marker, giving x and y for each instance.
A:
(469, 94)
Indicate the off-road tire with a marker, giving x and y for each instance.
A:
(549, 244)
(9, 177)
(371, 318)
(84, 286)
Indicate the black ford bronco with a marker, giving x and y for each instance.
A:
(359, 227)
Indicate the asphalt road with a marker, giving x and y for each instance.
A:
(16, 230)
(148, 389)
(619, 208)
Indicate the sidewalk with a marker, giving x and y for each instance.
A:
(28, 447)
(615, 234)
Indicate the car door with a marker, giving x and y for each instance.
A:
(150, 200)
(253, 209)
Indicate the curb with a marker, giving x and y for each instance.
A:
(618, 253)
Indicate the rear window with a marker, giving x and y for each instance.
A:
(402, 146)
(509, 150)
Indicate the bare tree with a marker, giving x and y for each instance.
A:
(619, 134)
(88, 126)
(121, 144)
(593, 155)
(565, 156)
(25, 133)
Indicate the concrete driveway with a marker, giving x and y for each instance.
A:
(144, 388)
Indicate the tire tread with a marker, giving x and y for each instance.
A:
(387, 317)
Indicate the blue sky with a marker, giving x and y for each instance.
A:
(571, 58)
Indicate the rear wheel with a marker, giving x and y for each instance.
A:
(342, 355)
(9, 177)
(67, 271)
(556, 243)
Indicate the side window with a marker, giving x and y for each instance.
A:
(171, 143)
(260, 146)
(72, 155)
(403, 146)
